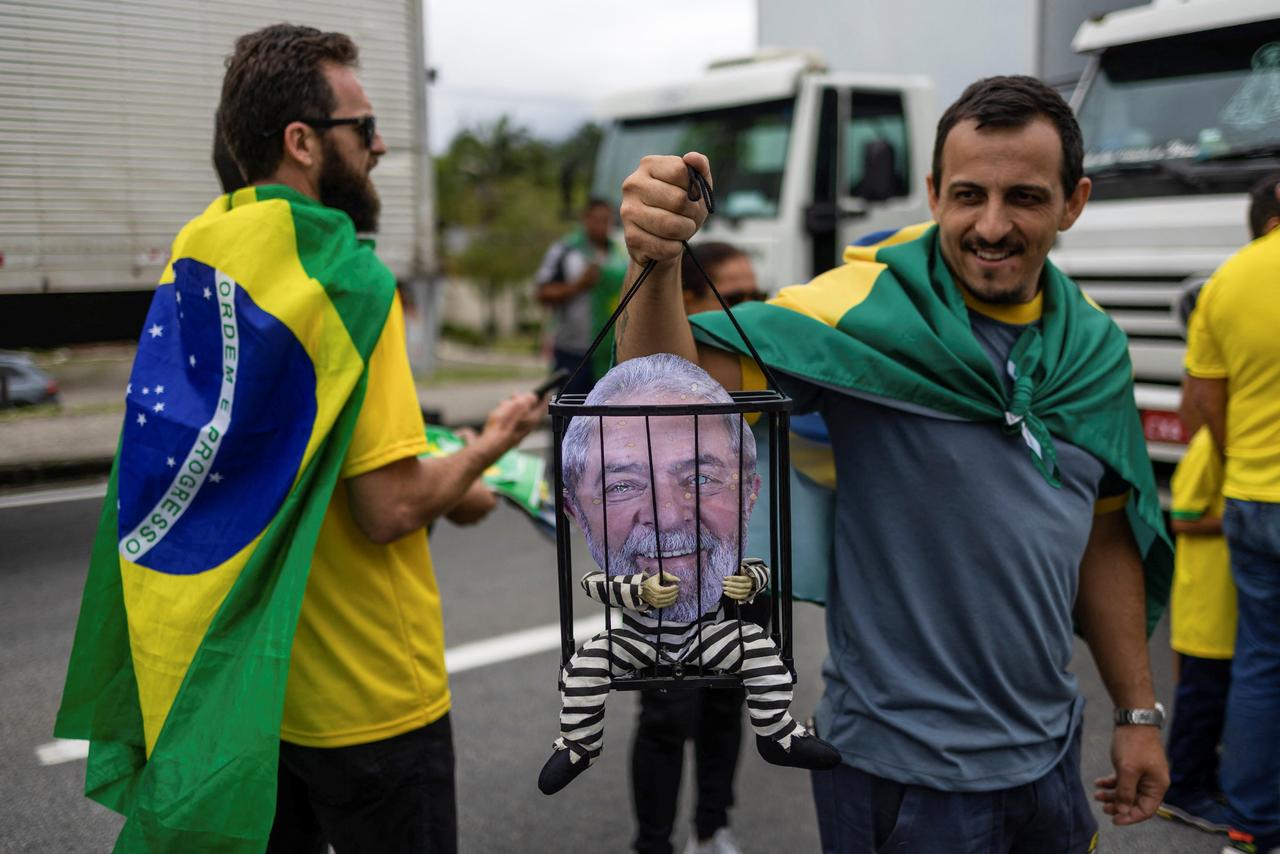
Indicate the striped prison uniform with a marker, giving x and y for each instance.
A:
(634, 645)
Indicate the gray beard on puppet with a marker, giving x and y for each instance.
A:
(721, 560)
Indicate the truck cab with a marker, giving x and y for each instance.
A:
(804, 161)
(1180, 112)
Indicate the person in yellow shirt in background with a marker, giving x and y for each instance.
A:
(1233, 389)
(1202, 619)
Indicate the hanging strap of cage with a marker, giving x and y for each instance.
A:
(699, 190)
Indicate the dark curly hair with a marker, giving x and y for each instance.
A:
(1015, 101)
(710, 255)
(276, 76)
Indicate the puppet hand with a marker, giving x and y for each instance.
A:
(739, 587)
(656, 594)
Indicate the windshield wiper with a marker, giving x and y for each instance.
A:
(1173, 168)
(1248, 152)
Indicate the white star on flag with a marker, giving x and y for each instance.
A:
(159, 389)
(208, 293)
(156, 330)
(159, 407)
(178, 295)
(215, 477)
(128, 389)
(192, 360)
(146, 390)
(170, 462)
(142, 419)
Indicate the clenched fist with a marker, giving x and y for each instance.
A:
(657, 214)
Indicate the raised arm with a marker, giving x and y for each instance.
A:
(656, 216)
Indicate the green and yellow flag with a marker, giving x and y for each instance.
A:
(892, 323)
(249, 376)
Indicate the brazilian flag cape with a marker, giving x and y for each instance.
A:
(248, 379)
(892, 323)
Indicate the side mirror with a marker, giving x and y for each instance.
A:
(879, 178)
(822, 218)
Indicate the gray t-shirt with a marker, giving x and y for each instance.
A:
(572, 321)
(949, 608)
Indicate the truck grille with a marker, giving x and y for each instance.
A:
(1145, 308)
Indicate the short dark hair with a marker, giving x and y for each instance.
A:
(276, 76)
(1014, 101)
(594, 202)
(710, 255)
(1263, 204)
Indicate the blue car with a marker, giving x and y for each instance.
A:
(22, 383)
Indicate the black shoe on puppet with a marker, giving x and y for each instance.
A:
(805, 751)
(560, 770)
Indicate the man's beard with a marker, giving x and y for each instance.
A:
(720, 563)
(344, 188)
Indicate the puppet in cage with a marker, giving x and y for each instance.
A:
(666, 523)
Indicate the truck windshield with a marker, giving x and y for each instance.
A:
(747, 146)
(1194, 112)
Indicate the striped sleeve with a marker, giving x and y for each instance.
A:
(621, 590)
(756, 569)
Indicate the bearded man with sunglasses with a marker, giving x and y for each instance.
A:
(366, 754)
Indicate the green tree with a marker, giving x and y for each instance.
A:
(502, 186)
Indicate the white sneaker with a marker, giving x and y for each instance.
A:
(721, 843)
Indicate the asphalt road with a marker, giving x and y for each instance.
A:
(504, 713)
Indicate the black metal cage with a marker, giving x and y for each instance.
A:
(773, 410)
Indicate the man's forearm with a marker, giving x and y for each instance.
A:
(409, 494)
(554, 293)
(654, 321)
(1208, 397)
(1111, 612)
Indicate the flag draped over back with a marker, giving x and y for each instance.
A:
(249, 376)
(892, 323)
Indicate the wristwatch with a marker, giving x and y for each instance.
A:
(1141, 717)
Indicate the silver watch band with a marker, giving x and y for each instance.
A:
(1141, 717)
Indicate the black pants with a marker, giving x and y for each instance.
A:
(712, 717)
(1199, 705)
(390, 797)
(860, 812)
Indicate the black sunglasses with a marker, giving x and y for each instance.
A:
(366, 126)
(748, 296)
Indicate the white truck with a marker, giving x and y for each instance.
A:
(106, 133)
(1180, 111)
(1179, 105)
(806, 160)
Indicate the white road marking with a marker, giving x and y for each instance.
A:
(516, 645)
(53, 496)
(62, 750)
(468, 656)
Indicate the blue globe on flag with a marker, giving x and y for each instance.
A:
(219, 409)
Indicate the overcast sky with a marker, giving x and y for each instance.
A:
(548, 62)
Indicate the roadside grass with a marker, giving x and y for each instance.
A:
(457, 373)
(56, 410)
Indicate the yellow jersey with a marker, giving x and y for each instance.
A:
(368, 656)
(1202, 613)
(1234, 334)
